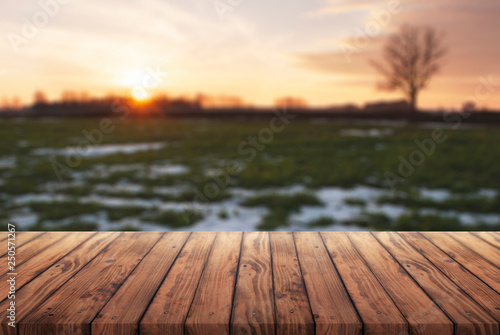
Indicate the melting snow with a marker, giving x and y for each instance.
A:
(24, 220)
(101, 150)
(374, 132)
(241, 218)
(168, 170)
(436, 194)
(7, 162)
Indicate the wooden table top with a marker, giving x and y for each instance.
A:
(252, 283)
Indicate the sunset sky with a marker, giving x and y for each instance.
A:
(258, 50)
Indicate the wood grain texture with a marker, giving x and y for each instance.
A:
(293, 313)
(481, 247)
(377, 310)
(210, 311)
(467, 315)
(169, 308)
(256, 283)
(423, 315)
(21, 238)
(38, 290)
(492, 238)
(29, 268)
(473, 286)
(253, 305)
(29, 244)
(138, 290)
(71, 308)
(332, 309)
(469, 259)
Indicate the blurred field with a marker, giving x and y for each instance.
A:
(315, 174)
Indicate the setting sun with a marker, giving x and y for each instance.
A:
(133, 81)
(139, 94)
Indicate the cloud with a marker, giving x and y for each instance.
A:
(333, 62)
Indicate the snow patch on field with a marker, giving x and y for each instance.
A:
(230, 215)
(167, 169)
(7, 162)
(100, 150)
(374, 132)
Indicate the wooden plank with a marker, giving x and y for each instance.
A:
(376, 308)
(21, 239)
(169, 308)
(490, 237)
(481, 247)
(423, 315)
(34, 246)
(331, 306)
(467, 315)
(469, 259)
(26, 236)
(253, 306)
(33, 266)
(36, 291)
(293, 313)
(117, 317)
(473, 286)
(210, 311)
(71, 309)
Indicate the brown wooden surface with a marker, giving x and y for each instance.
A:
(20, 239)
(71, 309)
(211, 313)
(376, 308)
(423, 315)
(331, 306)
(467, 315)
(253, 307)
(26, 243)
(168, 310)
(471, 260)
(492, 238)
(254, 283)
(44, 258)
(481, 247)
(117, 317)
(293, 313)
(54, 277)
(472, 285)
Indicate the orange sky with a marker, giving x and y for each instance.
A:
(258, 50)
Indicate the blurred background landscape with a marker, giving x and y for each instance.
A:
(172, 173)
(224, 115)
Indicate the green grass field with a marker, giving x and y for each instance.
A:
(217, 156)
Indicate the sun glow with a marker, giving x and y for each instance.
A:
(134, 81)
(132, 78)
(139, 94)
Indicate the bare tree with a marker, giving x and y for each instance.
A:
(411, 57)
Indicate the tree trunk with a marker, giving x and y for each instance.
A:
(413, 101)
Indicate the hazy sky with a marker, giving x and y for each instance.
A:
(256, 49)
